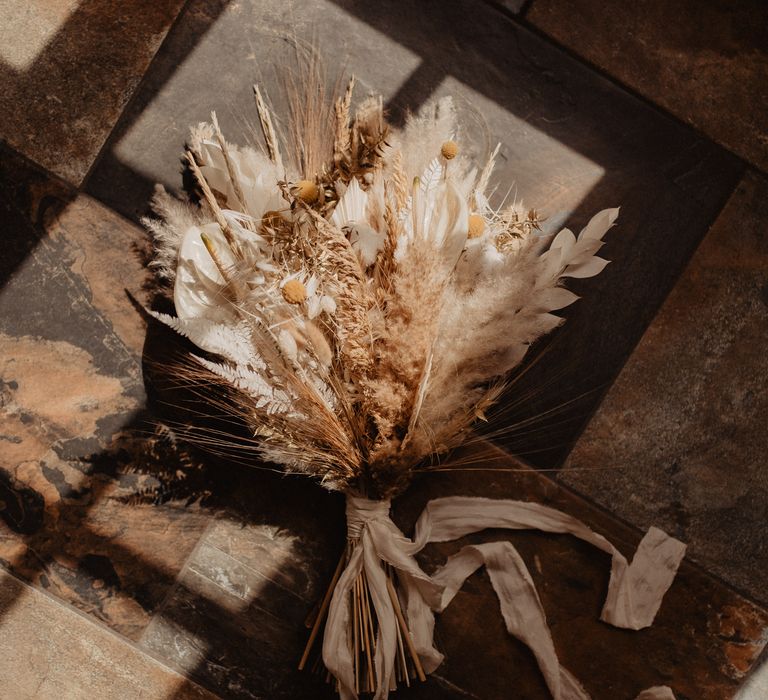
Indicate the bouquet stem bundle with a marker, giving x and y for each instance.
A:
(365, 629)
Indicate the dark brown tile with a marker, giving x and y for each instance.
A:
(49, 652)
(68, 68)
(70, 384)
(680, 438)
(572, 143)
(702, 644)
(705, 62)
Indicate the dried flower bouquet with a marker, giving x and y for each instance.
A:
(358, 302)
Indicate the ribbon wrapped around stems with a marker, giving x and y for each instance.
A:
(634, 593)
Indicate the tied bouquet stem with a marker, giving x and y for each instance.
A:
(357, 302)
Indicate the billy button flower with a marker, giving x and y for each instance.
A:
(294, 292)
(301, 288)
(449, 150)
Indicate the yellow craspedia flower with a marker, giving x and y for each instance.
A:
(476, 226)
(307, 191)
(449, 150)
(294, 292)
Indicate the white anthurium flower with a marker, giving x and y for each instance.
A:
(350, 215)
(197, 291)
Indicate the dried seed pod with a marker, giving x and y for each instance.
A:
(307, 191)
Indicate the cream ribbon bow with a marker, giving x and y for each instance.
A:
(634, 594)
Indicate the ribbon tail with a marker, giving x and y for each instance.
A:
(521, 608)
(336, 647)
(635, 591)
(421, 592)
(421, 623)
(658, 692)
(386, 639)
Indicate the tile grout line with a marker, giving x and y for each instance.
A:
(161, 606)
(252, 570)
(96, 623)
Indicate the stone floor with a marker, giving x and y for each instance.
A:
(650, 406)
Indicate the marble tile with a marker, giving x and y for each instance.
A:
(680, 439)
(703, 61)
(572, 143)
(72, 413)
(49, 652)
(68, 67)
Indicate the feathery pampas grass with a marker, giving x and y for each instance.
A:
(356, 299)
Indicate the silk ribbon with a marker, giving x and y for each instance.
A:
(634, 593)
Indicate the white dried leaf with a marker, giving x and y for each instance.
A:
(554, 299)
(592, 267)
(599, 224)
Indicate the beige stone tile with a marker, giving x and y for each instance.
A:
(48, 652)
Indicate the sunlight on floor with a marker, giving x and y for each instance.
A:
(236, 52)
(233, 589)
(152, 145)
(30, 27)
